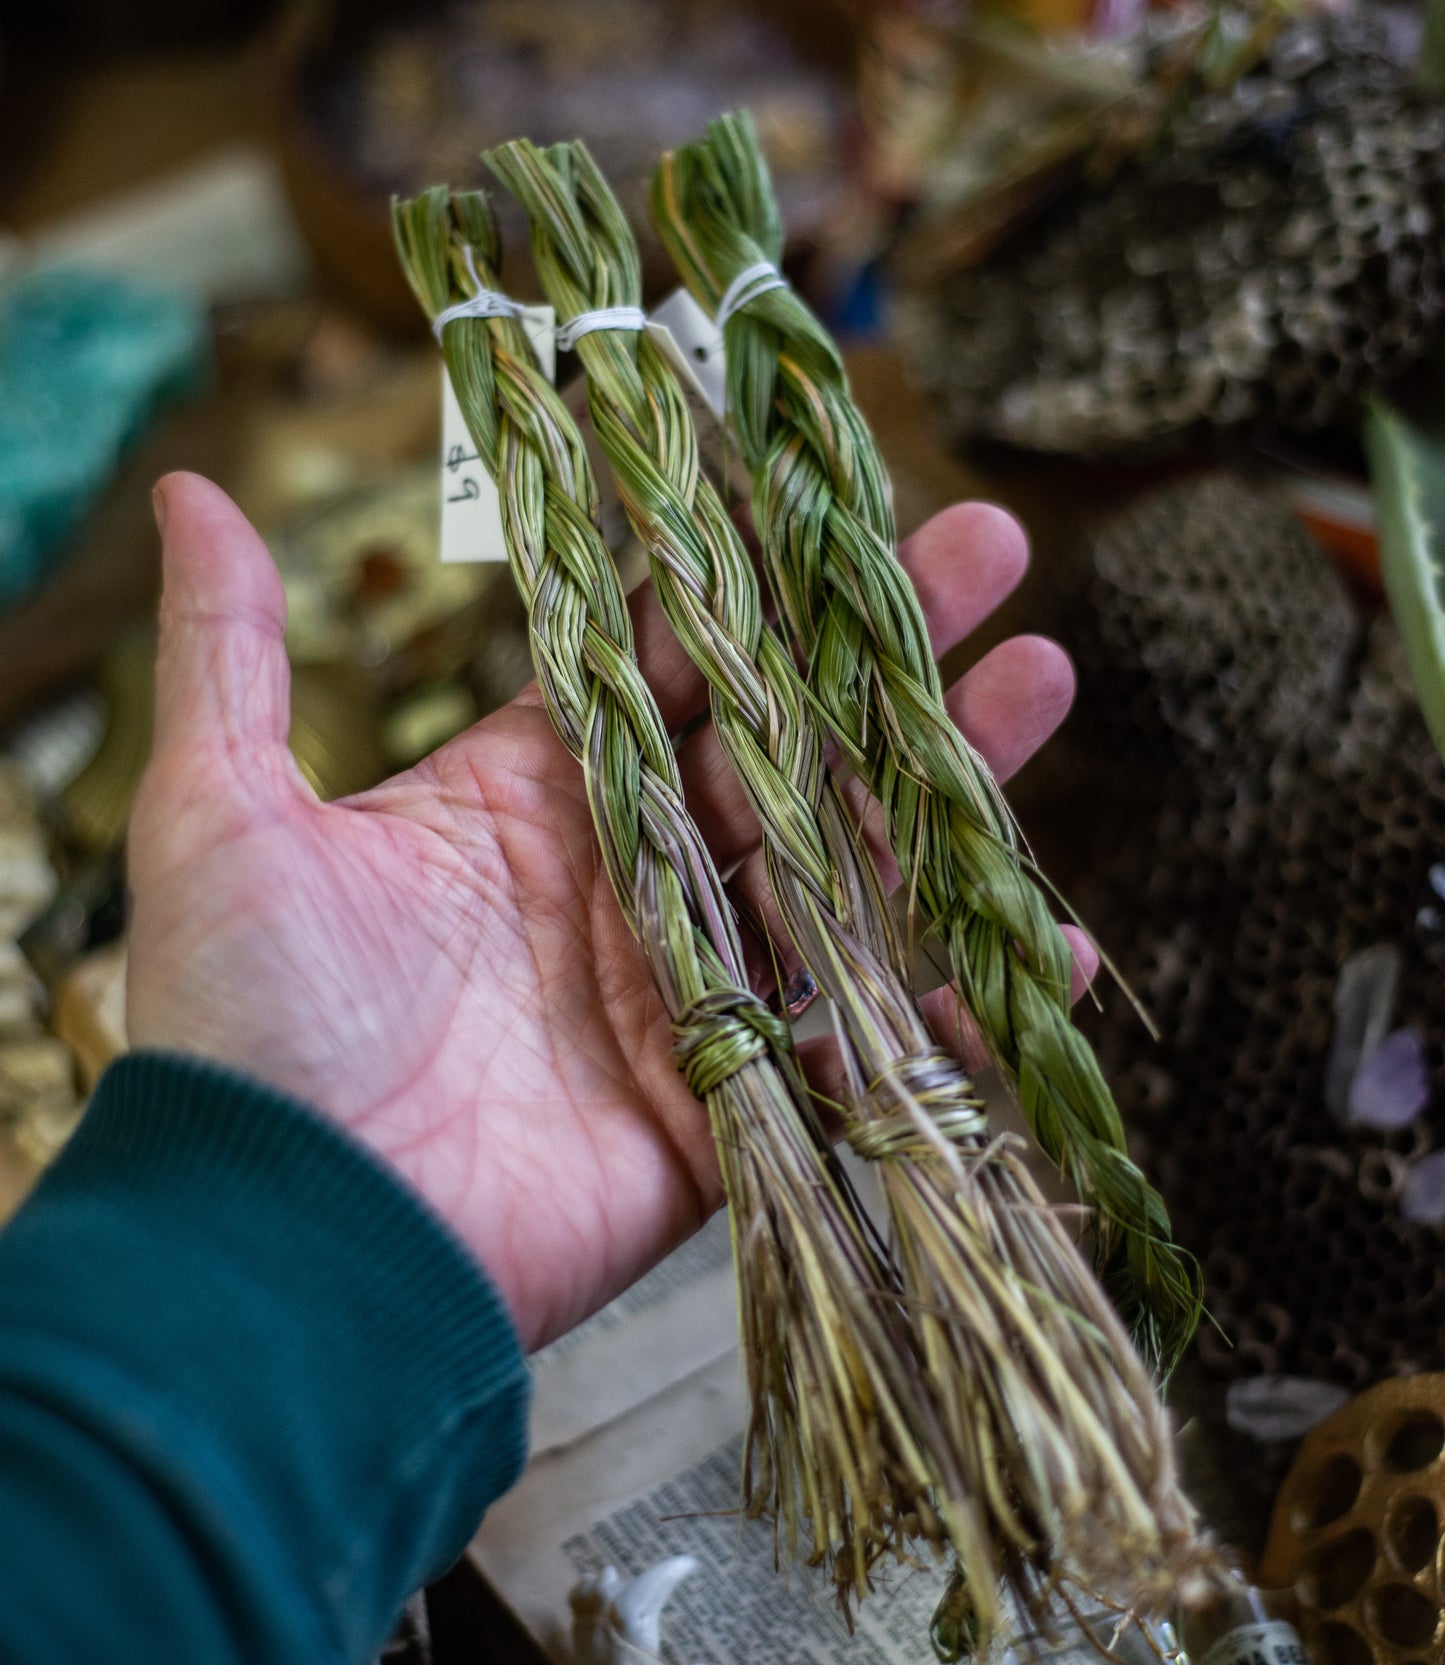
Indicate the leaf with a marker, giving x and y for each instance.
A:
(1407, 469)
(1430, 68)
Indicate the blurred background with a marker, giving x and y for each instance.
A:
(1167, 281)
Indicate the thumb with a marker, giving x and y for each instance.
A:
(223, 685)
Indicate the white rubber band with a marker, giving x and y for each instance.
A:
(604, 318)
(751, 282)
(486, 303)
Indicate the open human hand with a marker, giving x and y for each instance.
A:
(439, 964)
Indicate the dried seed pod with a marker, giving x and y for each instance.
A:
(1357, 1527)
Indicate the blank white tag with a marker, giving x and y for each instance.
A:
(471, 510)
(699, 342)
(689, 340)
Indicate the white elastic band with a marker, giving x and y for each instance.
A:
(486, 303)
(605, 318)
(751, 282)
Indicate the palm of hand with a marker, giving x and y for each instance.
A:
(440, 964)
(460, 988)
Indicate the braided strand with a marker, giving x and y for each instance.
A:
(1055, 1457)
(824, 515)
(832, 1443)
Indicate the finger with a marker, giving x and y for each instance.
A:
(677, 685)
(222, 681)
(1086, 961)
(1007, 706)
(1013, 700)
(821, 1060)
(954, 1027)
(716, 798)
(963, 563)
(772, 959)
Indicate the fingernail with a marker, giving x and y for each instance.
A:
(799, 992)
(158, 508)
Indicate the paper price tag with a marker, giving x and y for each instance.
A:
(471, 509)
(690, 342)
(540, 323)
(699, 344)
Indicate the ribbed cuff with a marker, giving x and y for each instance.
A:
(316, 1339)
(212, 1145)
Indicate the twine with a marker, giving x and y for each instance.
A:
(721, 1033)
(758, 279)
(599, 318)
(485, 303)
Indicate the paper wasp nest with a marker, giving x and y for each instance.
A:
(1280, 252)
(1282, 809)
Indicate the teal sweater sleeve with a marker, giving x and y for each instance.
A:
(252, 1394)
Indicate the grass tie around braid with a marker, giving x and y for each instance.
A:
(839, 1413)
(823, 509)
(1053, 1459)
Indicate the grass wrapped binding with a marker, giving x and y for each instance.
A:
(838, 1409)
(1051, 1459)
(823, 509)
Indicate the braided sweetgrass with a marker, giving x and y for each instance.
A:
(824, 516)
(1054, 1460)
(840, 1419)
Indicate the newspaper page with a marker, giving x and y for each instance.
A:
(681, 1316)
(663, 1480)
(637, 1428)
(636, 1456)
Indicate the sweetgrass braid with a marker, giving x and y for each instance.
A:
(823, 509)
(1056, 1460)
(839, 1418)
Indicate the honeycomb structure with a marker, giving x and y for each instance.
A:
(1278, 254)
(1282, 808)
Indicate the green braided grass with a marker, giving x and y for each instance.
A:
(1053, 1458)
(823, 508)
(831, 1451)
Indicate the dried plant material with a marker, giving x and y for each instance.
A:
(27, 880)
(1422, 1196)
(1288, 814)
(1051, 1459)
(840, 1414)
(38, 1103)
(1392, 1085)
(824, 513)
(1364, 1010)
(1269, 260)
(1276, 1408)
(1356, 1531)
